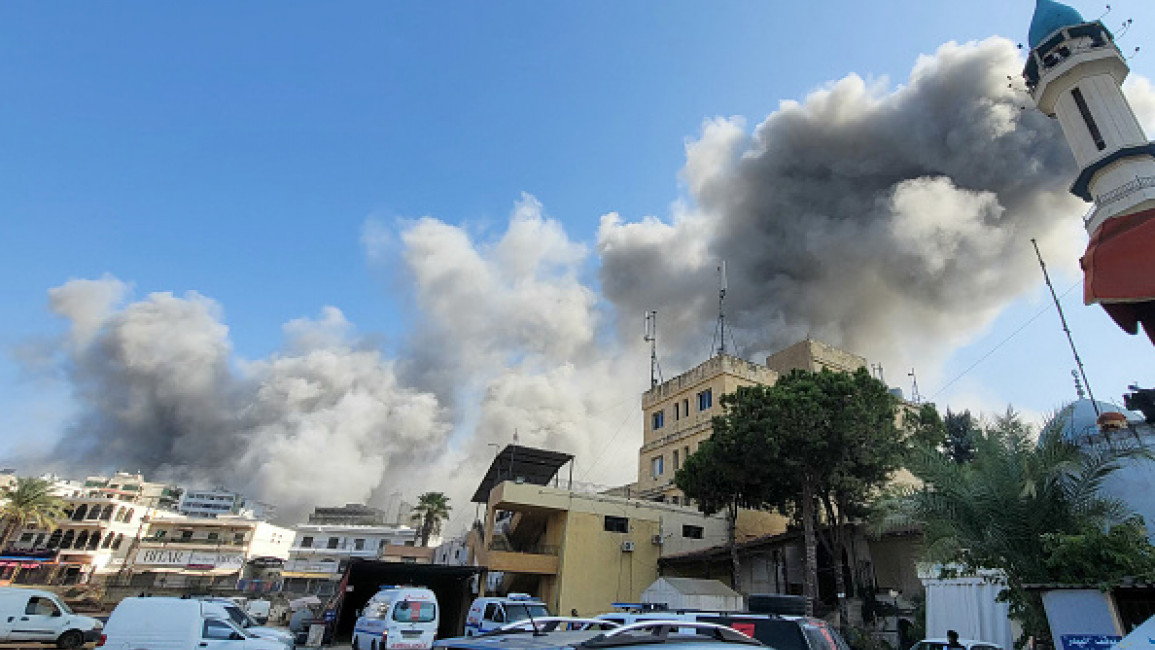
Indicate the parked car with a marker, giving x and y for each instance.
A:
(779, 631)
(491, 612)
(526, 636)
(162, 623)
(969, 644)
(34, 615)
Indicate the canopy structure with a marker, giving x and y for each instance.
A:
(1119, 271)
(524, 464)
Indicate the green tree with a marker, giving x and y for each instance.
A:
(28, 502)
(810, 442)
(925, 427)
(1013, 507)
(432, 508)
(723, 475)
(961, 430)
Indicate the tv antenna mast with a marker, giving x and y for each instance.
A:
(914, 395)
(1063, 320)
(651, 337)
(722, 309)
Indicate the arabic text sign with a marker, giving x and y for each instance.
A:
(183, 557)
(1089, 641)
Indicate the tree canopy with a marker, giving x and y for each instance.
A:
(1027, 508)
(432, 508)
(812, 440)
(28, 502)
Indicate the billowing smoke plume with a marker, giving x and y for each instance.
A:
(895, 223)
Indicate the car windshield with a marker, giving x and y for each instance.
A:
(239, 616)
(521, 611)
(408, 611)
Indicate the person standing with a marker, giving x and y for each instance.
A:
(952, 641)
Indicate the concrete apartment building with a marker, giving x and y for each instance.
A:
(575, 550)
(678, 412)
(179, 551)
(322, 548)
(217, 502)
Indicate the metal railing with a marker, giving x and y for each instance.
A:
(192, 540)
(1125, 190)
(530, 549)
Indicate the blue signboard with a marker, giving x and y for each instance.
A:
(1089, 641)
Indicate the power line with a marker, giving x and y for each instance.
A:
(1001, 344)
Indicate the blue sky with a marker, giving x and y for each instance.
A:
(238, 150)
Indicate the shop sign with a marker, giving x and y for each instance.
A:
(186, 558)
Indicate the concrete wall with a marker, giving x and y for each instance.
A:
(596, 572)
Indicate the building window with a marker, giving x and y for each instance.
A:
(686, 406)
(686, 452)
(26, 537)
(659, 419)
(691, 532)
(359, 544)
(306, 542)
(334, 542)
(677, 412)
(214, 537)
(1089, 119)
(705, 399)
(617, 524)
(676, 465)
(657, 466)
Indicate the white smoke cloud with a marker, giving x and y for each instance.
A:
(894, 222)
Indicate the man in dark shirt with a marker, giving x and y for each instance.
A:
(952, 640)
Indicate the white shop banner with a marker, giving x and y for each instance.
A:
(184, 558)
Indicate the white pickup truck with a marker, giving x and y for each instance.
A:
(33, 615)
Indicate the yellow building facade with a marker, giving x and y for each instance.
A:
(584, 551)
(679, 412)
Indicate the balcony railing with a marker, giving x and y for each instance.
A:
(1140, 183)
(193, 540)
(531, 549)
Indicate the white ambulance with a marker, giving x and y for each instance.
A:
(491, 612)
(398, 618)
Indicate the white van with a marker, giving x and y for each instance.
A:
(36, 615)
(162, 623)
(488, 613)
(398, 618)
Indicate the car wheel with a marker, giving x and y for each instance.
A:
(70, 640)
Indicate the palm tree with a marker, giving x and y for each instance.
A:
(28, 502)
(998, 510)
(431, 509)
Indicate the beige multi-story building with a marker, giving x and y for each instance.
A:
(178, 551)
(679, 412)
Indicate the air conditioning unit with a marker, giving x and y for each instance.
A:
(627, 546)
(656, 540)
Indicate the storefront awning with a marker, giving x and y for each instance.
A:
(318, 575)
(1119, 271)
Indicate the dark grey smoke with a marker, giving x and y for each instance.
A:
(895, 223)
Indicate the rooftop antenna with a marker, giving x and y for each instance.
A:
(651, 337)
(876, 370)
(722, 310)
(1063, 320)
(1104, 13)
(914, 395)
